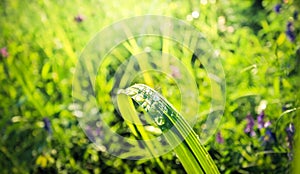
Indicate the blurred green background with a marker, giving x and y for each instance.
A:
(257, 41)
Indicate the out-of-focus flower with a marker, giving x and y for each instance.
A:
(290, 31)
(295, 15)
(249, 128)
(4, 52)
(260, 120)
(277, 8)
(195, 14)
(268, 138)
(289, 25)
(47, 125)
(290, 130)
(79, 18)
(267, 124)
(219, 138)
(290, 35)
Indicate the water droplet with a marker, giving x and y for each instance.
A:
(145, 95)
(147, 90)
(146, 105)
(153, 111)
(155, 97)
(162, 107)
(138, 98)
(159, 120)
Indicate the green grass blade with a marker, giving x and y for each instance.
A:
(128, 110)
(178, 133)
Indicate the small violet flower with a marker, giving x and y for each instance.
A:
(249, 128)
(277, 8)
(268, 138)
(290, 130)
(260, 120)
(290, 31)
(79, 18)
(47, 125)
(267, 124)
(4, 52)
(219, 138)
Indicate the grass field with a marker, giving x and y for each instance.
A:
(257, 43)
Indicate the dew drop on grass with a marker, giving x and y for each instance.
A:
(172, 114)
(163, 108)
(155, 98)
(159, 120)
(145, 95)
(148, 92)
(138, 98)
(146, 105)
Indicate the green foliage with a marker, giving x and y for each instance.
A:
(43, 42)
(176, 129)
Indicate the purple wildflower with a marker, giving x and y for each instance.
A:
(219, 138)
(47, 125)
(4, 52)
(79, 18)
(290, 35)
(260, 120)
(249, 128)
(290, 130)
(267, 124)
(277, 8)
(268, 138)
(290, 31)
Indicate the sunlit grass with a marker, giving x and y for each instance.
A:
(175, 128)
(43, 41)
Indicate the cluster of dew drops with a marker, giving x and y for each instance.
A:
(150, 101)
